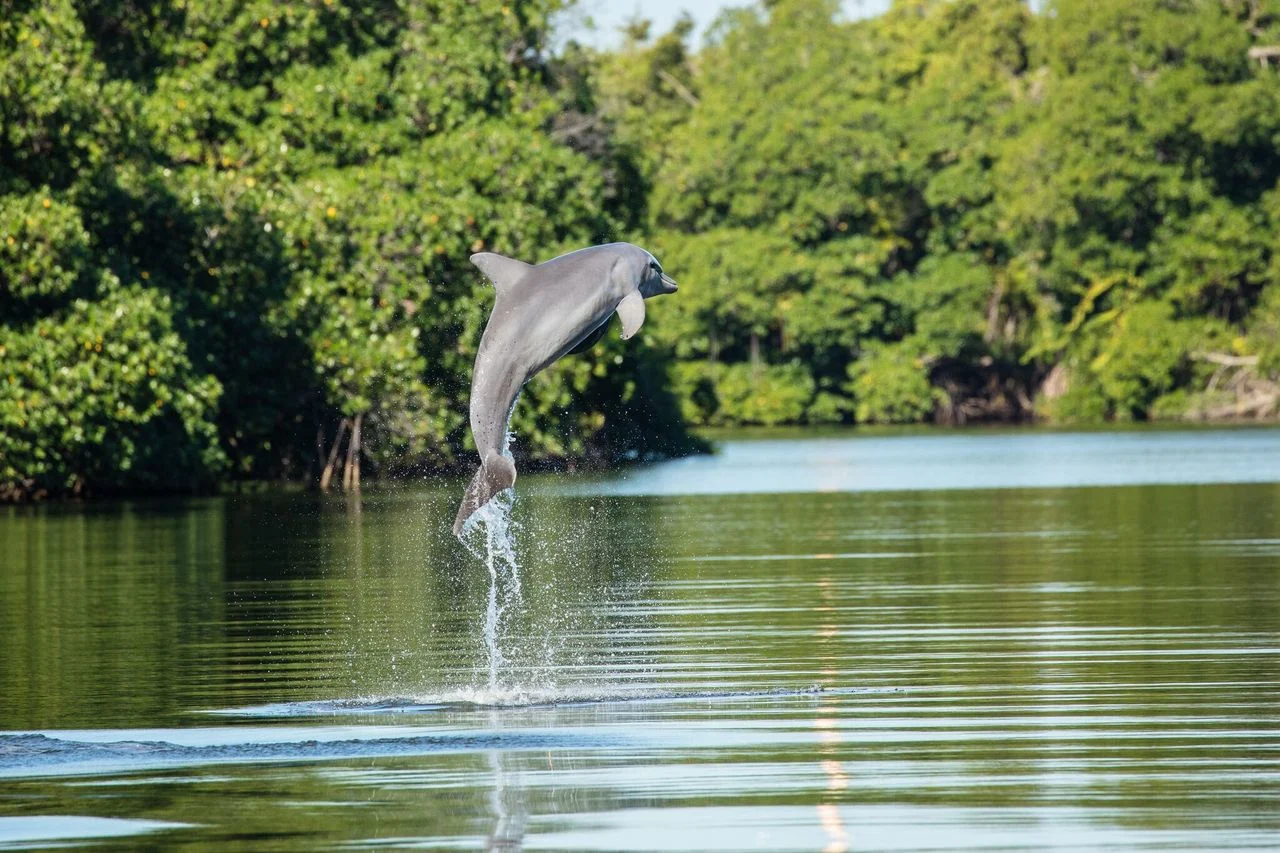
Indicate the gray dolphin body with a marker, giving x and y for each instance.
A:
(541, 314)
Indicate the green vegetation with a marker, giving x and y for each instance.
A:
(234, 240)
(233, 234)
(965, 210)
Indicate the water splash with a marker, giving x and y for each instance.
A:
(494, 527)
(525, 650)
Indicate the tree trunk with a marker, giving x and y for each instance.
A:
(351, 478)
(346, 465)
(319, 452)
(333, 456)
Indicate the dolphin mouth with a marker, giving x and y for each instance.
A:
(669, 284)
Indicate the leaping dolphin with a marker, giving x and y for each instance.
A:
(541, 314)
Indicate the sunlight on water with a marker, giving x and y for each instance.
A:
(950, 460)
(44, 831)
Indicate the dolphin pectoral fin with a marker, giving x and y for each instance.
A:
(504, 272)
(590, 340)
(495, 474)
(631, 312)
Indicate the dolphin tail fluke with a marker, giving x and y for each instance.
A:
(496, 473)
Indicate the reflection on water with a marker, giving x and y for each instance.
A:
(1085, 668)
(47, 831)
(995, 459)
(509, 809)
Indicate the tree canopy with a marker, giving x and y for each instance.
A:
(234, 234)
(966, 210)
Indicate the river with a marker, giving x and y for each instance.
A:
(932, 641)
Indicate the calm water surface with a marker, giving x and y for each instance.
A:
(966, 641)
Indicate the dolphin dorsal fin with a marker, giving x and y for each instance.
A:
(504, 272)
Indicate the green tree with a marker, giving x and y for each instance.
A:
(966, 210)
(289, 194)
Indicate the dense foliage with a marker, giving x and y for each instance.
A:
(233, 234)
(234, 240)
(965, 210)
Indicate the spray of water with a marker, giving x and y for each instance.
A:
(495, 530)
(490, 535)
(525, 651)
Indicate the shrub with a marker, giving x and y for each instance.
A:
(104, 397)
(891, 386)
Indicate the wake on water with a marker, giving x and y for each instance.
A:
(480, 699)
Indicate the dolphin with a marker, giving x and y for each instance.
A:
(541, 314)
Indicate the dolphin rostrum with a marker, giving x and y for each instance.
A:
(541, 314)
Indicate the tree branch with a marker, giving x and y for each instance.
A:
(1225, 359)
(680, 89)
